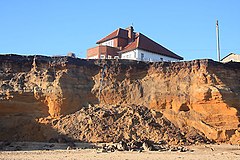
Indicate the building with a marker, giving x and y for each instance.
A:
(127, 44)
(231, 57)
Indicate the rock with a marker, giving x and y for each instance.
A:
(46, 147)
(135, 145)
(111, 148)
(71, 145)
(148, 146)
(108, 148)
(163, 148)
(174, 149)
(104, 145)
(183, 149)
(103, 150)
(122, 146)
(6, 143)
(69, 148)
(18, 148)
(52, 145)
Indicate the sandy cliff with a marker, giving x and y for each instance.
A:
(39, 93)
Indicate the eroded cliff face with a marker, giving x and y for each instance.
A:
(47, 86)
(200, 95)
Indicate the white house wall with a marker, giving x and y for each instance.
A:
(231, 57)
(130, 55)
(148, 56)
(93, 57)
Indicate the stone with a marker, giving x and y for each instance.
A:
(6, 143)
(135, 145)
(103, 150)
(111, 148)
(69, 148)
(174, 149)
(163, 148)
(71, 144)
(148, 146)
(18, 148)
(122, 146)
(183, 149)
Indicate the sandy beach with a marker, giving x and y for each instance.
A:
(45, 151)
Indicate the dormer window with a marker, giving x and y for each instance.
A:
(108, 43)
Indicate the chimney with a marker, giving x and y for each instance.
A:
(130, 34)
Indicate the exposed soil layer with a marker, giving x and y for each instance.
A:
(44, 97)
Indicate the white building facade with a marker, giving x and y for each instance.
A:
(232, 57)
(142, 55)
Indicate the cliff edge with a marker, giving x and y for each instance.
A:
(39, 93)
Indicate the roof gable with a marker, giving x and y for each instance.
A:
(229, 55)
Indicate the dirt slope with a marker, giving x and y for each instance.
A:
(128, 123)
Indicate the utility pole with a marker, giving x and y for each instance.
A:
(218, 45)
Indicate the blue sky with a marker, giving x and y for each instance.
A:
(55, 27)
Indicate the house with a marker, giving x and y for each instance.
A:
(127, 44)
(232, 57)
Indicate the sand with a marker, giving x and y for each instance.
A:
(40, 151)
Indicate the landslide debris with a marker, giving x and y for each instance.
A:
(127, 123)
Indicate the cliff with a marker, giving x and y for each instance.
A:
(40, 93)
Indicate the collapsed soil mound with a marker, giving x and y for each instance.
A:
(128, 123)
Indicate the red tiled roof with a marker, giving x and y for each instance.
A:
(145, 43)
(117, 33)
(131, 46)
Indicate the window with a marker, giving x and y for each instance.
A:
(142, 56)
(116, 57)
(108, 43)
(109, 57)
(161, 59)
(102, 57)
